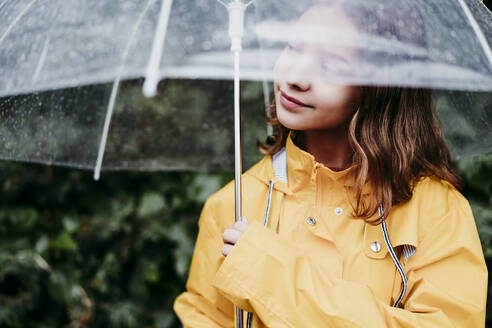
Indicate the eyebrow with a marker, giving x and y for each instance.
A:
(320, 52)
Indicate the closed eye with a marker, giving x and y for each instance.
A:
(293, 48)
(336, 67)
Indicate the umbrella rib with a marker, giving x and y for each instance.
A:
(3, 4)
(114, 93)
(478, 31)
(222, 3)
(41, 61)
(152, 74)
(16, 20)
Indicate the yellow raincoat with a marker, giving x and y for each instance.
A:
(315, 266)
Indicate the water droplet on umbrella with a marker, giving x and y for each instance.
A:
(189, 40)
(207, 45)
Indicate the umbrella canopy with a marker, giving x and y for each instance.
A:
(56, 44)
(59, 60)
(435, 44)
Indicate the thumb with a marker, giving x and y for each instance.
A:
(244, 219)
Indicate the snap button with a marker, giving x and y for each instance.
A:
(338, 211)
(375, 246)
(311, 221)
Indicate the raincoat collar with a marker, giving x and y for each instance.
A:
(402, 221)
(302, 169)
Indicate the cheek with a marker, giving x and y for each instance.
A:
(337, 105)
(338, 96)
(286, 64)
(279, 68)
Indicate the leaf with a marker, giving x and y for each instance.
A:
(150, 204)
(23, 218)
(64, 242)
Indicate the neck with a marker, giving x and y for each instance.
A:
(329, 147)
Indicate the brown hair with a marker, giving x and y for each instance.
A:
(396, 139)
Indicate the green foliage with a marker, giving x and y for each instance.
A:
(79, 253)
(477, 187)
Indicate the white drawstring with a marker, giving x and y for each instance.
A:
(393, 257)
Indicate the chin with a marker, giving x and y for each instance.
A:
(297, 121)
(295, 124)
(308, 125)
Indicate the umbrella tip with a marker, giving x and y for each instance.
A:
(149, 89)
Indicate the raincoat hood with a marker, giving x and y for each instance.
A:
(313, 265)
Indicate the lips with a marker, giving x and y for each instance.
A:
(291, 102)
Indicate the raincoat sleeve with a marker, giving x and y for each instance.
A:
(201, 306)
(266, 274)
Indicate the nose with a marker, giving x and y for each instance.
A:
(297, 77)
(297, 83)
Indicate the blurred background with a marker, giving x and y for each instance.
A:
(115, 253)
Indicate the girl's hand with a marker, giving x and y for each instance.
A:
(232, 234)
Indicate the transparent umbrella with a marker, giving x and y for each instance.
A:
(64, 63)
(88, 48)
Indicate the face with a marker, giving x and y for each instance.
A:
(305, 98)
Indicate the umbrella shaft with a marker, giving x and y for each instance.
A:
(237, 159)
(237, 138)
(236, 22)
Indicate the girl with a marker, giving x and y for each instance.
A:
(353, 218)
